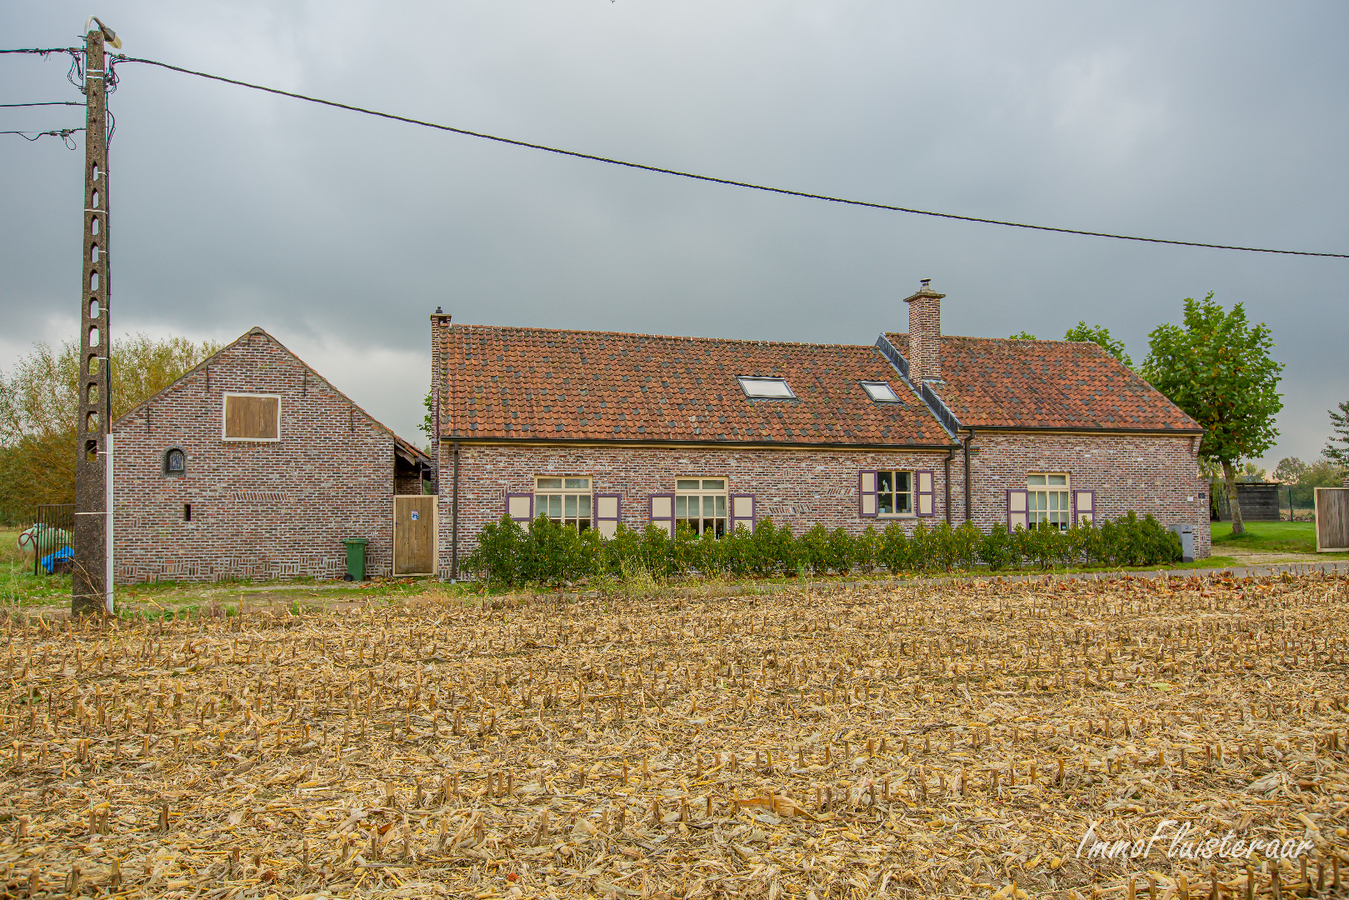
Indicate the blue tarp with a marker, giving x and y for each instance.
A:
(49, 561)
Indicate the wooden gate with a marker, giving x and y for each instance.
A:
(414, 534)
(1332, 520)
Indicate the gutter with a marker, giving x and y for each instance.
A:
(724, 445)
(454, 519)
(969, 488)
(949, 454)
(1092, 429)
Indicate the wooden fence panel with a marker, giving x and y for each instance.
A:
(1332, 520)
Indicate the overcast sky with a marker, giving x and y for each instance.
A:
(339, 233)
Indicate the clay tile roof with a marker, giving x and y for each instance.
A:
(538, 384)
(1005, 383)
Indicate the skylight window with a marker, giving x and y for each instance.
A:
(880, 391)
(765, 388)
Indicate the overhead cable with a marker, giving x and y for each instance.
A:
(711, 179)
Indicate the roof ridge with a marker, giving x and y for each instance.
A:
(662, 337)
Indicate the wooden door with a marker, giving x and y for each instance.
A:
(414, 534)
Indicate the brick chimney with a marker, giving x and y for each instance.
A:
(925, 333)
(440, 334)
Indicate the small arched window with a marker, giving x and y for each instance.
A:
(175, 461)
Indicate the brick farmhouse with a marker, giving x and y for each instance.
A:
(598, 428)
(253, 466)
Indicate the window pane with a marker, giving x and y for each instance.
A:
(584, 506)
(581, 483)
(903, 481)
(570, 506)
(885, 481)
(555, 507)
(905, 502)
(681, 507)
(721, 506)
(686, 484)
(550, 483)
(1035, 479)
(1058, 479)
(714, 484)
(721, 528)
(886, 503)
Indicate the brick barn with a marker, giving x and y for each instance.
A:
(253, 466)
(596, 428)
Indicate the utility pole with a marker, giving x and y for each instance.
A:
(91, 582)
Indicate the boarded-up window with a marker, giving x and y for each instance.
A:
(252, 417)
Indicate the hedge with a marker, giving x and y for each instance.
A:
(548, 553)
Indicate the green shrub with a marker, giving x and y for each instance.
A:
(496, 559)
(967, 539)
(995, 550)
(922, 555)
(868, 550)
(547, 553)
(812, 550)
(841, 551)
(896, 549)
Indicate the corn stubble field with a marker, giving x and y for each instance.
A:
(876, 741)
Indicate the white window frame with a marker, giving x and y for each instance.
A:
(543, 497)
(224, 413)
(748, 383)
(1039, 505)
(887, 387)
(699, 523)
(911, 492)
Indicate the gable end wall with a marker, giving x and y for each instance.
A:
(259, 510)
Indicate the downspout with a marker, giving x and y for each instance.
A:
(949, 454)
(969, 489)
(454, 518)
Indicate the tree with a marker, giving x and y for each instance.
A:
(39, 404)
(1251, 474)
(428, 427)
(1099, 334)
(1217, 368)
(1023, 336)
(1339, 422)
(1289, 470)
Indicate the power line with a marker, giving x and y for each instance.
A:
(63, 133)
(51, 103)
(711, 179)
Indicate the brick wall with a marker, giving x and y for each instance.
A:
(1157, 475)
(259, 510)
(800, 488)
(796, 487)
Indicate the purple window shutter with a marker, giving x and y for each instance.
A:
(742, 511)
(1084, 507)
(924, 495)
(607, 514)
(1018, 509)
(867, 506)
(661, 510)
(520, 507)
